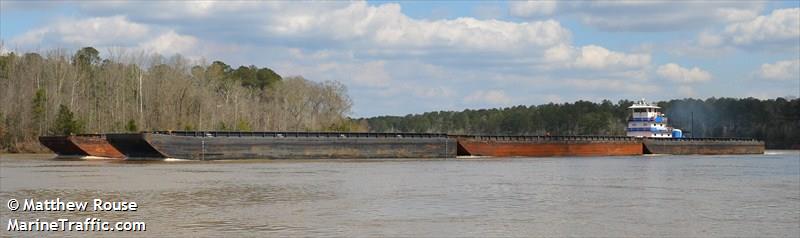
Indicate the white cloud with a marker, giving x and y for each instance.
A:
(677, 73)
(354, 24)
(559, 53)
(115, 30)
(596, 57)
(781, 26)
(777, 32)
(781, 70)
(641, 15)
(30, 38)
(730, 14)
(593, 57)
(335, 65)
(386, 26)
(108, 32)
(170, 43)
(369, 30)
(495, 97)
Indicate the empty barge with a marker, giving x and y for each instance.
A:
(80, 146)
(703, 146)
(216, 145)
(539, 146)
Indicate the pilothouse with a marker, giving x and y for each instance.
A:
(646, 120)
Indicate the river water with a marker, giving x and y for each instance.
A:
(676, 196)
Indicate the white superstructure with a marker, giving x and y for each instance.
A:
(647, 121)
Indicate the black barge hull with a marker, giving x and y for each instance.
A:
(62, 146)
(702, 146)
(282, 145)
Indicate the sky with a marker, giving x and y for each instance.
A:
(407, 57)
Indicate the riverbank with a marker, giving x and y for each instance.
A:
(26, 147)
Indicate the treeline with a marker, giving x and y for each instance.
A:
(776, 121)
(60, 93)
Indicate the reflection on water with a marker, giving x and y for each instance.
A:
(601, 196)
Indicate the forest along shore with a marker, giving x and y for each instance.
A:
(55, 93)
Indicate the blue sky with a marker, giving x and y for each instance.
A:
(416, 56)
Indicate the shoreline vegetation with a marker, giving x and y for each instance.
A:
(56, 92)
(775, 121)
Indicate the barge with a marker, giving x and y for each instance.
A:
(80, 146)
(219, 145)
(703, 146)
(539, 146)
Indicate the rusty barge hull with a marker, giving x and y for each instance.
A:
(282, 145)
(703, 146)
(80, 145)
(62, 145)
(548, 146)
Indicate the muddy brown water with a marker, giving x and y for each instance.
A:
(636, 196)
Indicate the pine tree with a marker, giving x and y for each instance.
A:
(39, 103)
(66, 124)
(131, 126)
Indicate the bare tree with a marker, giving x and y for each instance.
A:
(150, 92)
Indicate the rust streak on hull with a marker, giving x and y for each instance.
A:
(96, 146)
(81, 145)
(542, 148)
